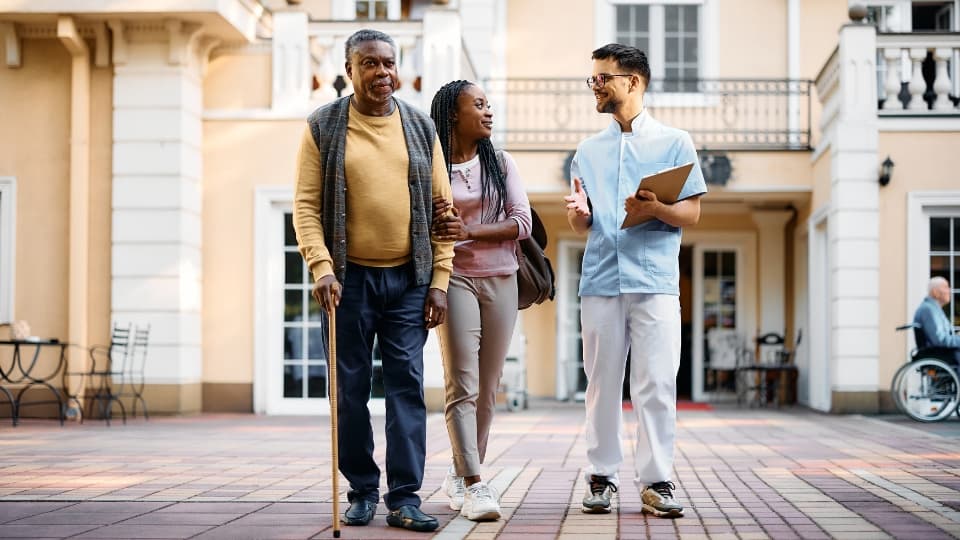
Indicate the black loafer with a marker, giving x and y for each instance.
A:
(411, 518)
(361, 512)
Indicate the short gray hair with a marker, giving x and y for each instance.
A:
(935, 283)
(360, 36)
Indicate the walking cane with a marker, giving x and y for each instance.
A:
(335, 457)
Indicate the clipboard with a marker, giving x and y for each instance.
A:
(666, 185)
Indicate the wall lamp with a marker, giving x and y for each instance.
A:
(886, 171)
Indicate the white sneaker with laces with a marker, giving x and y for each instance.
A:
(454, 488)
(481, 503)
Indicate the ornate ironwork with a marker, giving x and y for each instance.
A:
(720, 114)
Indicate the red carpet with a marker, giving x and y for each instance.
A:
(682, 405)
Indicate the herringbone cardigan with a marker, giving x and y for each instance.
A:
(328, 124)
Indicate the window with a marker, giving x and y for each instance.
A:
(304, 343)
(7, 223)
(369, 10)
(374, 10)
(304, 335)
(945, 260)
(672, 35)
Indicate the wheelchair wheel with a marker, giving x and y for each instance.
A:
(895, 385)
(927, 390)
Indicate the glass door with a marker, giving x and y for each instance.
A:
(301, 379)
(722, 341)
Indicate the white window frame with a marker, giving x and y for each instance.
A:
(565, 309)
(605, 32)
(744, 245)
(921, 206)
(820, 369)
(8, 238)
(270, 204)
(346, 10)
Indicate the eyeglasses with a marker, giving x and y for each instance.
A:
(602, 79)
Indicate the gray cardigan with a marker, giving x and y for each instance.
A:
(328, 124)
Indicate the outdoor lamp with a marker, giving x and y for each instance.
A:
(886, 171)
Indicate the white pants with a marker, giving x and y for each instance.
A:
(647, 325)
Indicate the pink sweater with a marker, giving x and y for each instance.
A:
(480, 258)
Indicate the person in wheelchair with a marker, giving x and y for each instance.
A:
(935, 334)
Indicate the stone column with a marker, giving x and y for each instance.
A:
(292, 82)
(771, 254)
(442, 49)
(854, 227)
(156, 254)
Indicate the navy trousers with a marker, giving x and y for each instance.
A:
(382, 302)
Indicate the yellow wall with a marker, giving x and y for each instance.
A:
(739, 55)
(769, 169)
(37, 154)
(35, 150)
(544, 41)
(238, 81)
(914, 171)
(822, 181)
(238, 155)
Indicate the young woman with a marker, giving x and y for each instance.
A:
(490, 212)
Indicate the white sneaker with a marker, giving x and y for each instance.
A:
(480, 503)
(454, 488)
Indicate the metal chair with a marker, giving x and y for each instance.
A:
(760, 374)
(133, 383)
(108, 364)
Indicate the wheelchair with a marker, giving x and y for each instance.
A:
(927, 388)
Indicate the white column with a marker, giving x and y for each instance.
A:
(853, 236)
(772, 252)
(441, 50)
(156, 255)
(942, 84)
(292, 81)
(917, 85)
(893, 57)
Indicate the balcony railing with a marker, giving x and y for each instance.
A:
(720, 114)
(917, 73)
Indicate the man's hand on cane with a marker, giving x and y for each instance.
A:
(326, 291)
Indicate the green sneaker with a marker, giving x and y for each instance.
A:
(599, 493)
(658, 500)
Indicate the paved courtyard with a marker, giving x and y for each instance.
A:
(742, 473)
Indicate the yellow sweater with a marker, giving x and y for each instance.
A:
(377, 197)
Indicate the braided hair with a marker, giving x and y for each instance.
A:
(493, 186)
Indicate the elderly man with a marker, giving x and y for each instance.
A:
(369, 167)
(630, 281)
(933, 322)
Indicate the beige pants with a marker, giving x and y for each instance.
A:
(481, 313)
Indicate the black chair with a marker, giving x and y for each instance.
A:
(133, 379)
(761, 374)
(108, 363)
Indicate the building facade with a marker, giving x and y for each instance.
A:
(147, 161)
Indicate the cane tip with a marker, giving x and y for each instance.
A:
(336, 534)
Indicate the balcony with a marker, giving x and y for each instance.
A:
(720, 114)
(914, 74)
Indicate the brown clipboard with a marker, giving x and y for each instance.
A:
(666, 185)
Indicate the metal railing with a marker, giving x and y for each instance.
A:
(720, 114)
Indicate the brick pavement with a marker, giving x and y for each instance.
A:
(741, 473)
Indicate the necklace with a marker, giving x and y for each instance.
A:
(466, 176)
